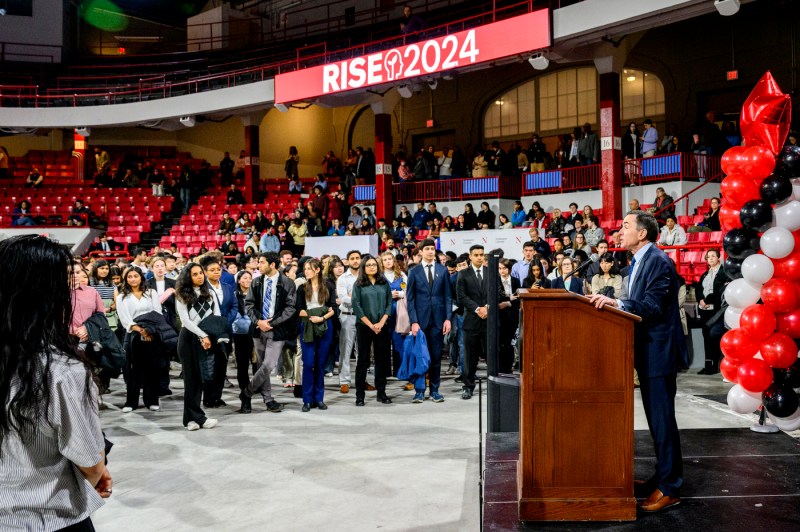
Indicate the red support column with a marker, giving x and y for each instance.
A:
(78, 160)
(610, 146)
(251, 168)
(384, 207)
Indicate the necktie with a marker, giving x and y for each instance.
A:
(267, 299)
(630, 276)
(430, 275)
(480, 277)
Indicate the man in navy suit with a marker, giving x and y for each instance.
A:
(659, 351)
(228, 305)
(429, 310)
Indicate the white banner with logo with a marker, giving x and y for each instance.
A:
(509, 240)
(317, 246)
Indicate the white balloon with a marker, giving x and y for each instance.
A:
(732, 316)
(742, 401)
(788, 215)
(742, 293)
(787, 423)
(758, 269)
(777, 242)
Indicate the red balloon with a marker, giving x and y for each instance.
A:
(729, 369)
(738, 189)
(733, 160)
(780, 295)
(758, 321)
(766, 115)
(789, 323)
(779, 351)
(755, 375)
(758, 163)
(729, 217)
(788, 267)
(738, 345)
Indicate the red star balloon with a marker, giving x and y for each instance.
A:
(766, 115)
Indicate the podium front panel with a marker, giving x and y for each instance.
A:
(576, 412)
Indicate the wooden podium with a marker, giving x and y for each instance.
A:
(576, 410)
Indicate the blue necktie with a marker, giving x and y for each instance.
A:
(630, 276)
(267, 299)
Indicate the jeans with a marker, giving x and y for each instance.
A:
(185, 197)
(314, 355)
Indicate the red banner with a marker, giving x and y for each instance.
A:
(518, 35)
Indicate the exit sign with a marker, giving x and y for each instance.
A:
(429, 123)
(732, 75)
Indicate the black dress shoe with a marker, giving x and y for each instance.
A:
(707, 371)
(306, 407)
(322, 406)
(383, 398)
(246, 404)
(466, 395)
(459, 379)
(359, 402)
(220, 403)
(314, 404)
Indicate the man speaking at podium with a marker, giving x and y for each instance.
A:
(659, 351)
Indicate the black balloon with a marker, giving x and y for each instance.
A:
(776, 188)
(756, 214)
(733, 267)
(790, 376)
(788, 163)
(741, 242)
(780, 400)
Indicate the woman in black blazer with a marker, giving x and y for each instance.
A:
(574, 283)
(708, 292)
(509, 315)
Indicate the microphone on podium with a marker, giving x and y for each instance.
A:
(583, 266)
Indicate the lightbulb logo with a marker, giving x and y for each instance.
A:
(393, 65)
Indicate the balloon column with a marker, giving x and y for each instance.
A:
(761, 214)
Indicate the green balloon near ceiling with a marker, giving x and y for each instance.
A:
(105, 15)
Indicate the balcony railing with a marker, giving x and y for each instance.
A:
(671, 167)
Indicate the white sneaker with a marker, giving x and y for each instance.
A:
(329, 374)
(192, 426)
(154, 408)
(210, 423)
(127, 410)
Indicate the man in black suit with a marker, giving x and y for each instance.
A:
(104, 244)
(471, 294)
(659, 351)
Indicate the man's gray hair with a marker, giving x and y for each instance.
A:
(646, 221)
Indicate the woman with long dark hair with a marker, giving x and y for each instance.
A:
(316, 305)
(135, 299)
(52, 471)
(243, 342)
(536, 277)
(372, 304)
(194, 303)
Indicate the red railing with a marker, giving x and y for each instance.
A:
(674, 165)
(134, 90)
(458, 189)
(562, 180)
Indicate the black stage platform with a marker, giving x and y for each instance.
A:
(735, 479)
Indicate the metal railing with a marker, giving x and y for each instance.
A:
(458, 189)
(562, 180)
(139, 87)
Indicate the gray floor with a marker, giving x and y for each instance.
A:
(380, 467)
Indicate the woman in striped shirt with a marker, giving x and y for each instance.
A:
(194, 303)
(52, 472)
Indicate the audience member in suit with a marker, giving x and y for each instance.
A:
(270, 304)
(659, 351)
(471, 290)
(228, 304)
(567, 279)
(708, 293)
(104, 244)
(509, 316)
(165, 288)
(429, 310)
